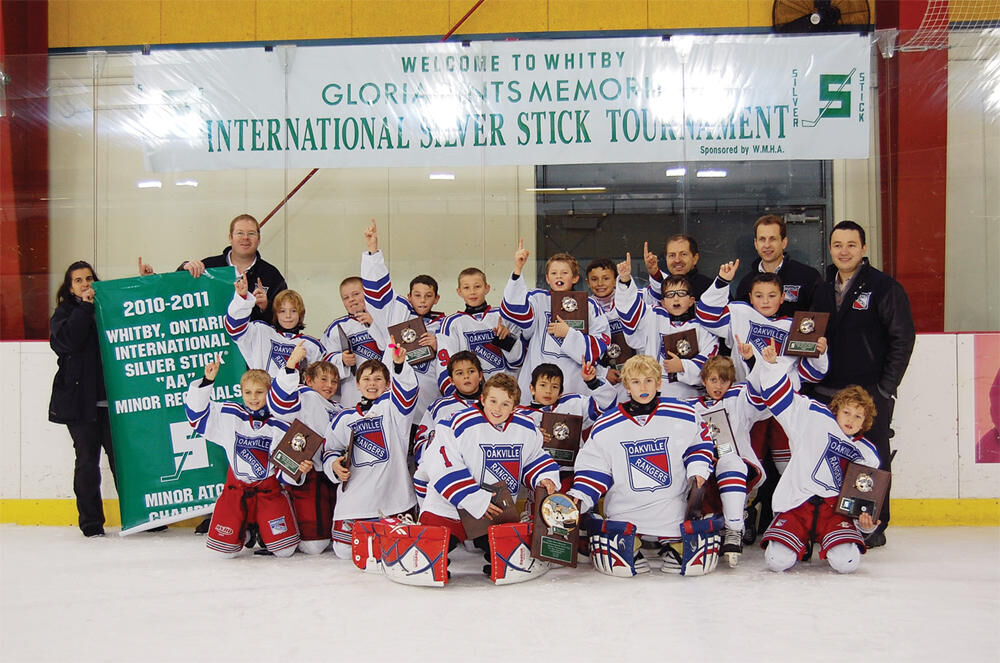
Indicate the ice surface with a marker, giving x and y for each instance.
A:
(930, 595)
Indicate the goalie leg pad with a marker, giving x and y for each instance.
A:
(365, 550)
(510, 554)
(413, 554)
(702, 540)
(614, 548)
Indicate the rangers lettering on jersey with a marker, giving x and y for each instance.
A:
(363, 345)
(254, 451)
(831, 461)
(648, 465)
(482, 344)
(503, 461)
(369, 439)
(760, 336)
(280, 352)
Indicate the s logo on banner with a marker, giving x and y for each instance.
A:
(190, 450)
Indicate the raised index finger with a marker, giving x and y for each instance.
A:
(520, 244)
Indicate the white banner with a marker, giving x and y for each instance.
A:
(504, 103)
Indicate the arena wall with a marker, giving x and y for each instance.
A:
(937, 479)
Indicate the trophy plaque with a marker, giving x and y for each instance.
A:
(348, 452)
(408, 335)
(571, 306)
(717, 422)
(619, 351)
(477, 527)
(345, 344)
(684, 344)
(555, 533)
(298, 444)
(807, 327)
(863, 491)
(564, 443)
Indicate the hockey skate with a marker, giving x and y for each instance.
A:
(750, 518)
(732, 546)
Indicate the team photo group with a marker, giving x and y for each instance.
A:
(634, 422)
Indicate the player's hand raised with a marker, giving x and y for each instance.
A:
(625, 268)
(745, 349)
(727, 270)
(298, 354)
(520, 257)
(212, 370)
(588, 371)
(144, 268)
(260, 295)
(770, 352)
(371, 238)
(501, 331)
(240, 285)
(398, 351)
(651, 261)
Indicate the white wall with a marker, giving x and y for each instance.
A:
(933, 422)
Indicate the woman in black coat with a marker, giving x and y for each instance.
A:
(78, 398)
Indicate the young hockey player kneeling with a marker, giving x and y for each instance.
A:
(642, 456)
(253, 495)
(481, 446)
(823, 441)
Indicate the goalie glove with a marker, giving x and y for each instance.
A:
(413, 554)
(699, 555)
(614, 548)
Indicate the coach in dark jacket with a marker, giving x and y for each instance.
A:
(78, 397)
(870, 336)
(798, 280)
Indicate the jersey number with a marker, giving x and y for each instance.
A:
(447, 463)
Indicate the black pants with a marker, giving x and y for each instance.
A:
(879, 436)
(88, 439)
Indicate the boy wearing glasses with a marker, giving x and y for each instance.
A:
(646, 326)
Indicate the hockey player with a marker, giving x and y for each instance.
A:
(641, 457)
(824, 439)
(387, 309)
(374, 480)
(265, 346)
(737, 470)
(312, 404)
(646, 326)
(481, 446)
(348, 339)
(478, 329)
(552, 340)
(601, 281)
(252, 494)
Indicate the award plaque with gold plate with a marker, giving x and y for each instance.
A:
(863, 490)
(408, 335)
(477, 527)
(571, 306)
(684, 344)
(807, 327)
(555, 533)
(298, 444)
(619, 351)
(721, 432)
(564, 436)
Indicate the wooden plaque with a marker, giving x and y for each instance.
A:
(555, 530)
(572, 307)
(408, 335)
(298, 444)
(684, 344)
(864, 491)
(347, 454)
(565, 431)
(807, 327)
(721, 432)
(619, 351)
(345, 345)
(477, 527)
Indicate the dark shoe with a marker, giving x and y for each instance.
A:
(202, 527)
(93, 533)
(875, 540)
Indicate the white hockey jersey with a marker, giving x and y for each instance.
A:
(443, 409)
(358, 336)
(726, 319)
(820, 449)
(261, 345)
(380, 479)
(387, 309)
(641, 465)
(645, 326)
(530, 311)
(472, 453)
(288, 401)
(474, 332)
(248, 440)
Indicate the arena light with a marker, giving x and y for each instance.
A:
(711, 173)
(149, 184)
(441, 176)
(676, 172)
(191, 183)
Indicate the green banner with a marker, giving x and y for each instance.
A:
(157, 333)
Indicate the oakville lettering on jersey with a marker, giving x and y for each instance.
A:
(367, 434)
(245, 448)
(280, 352)
(760, 335)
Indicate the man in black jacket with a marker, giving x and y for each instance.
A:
(870, 336)
(262, 276)
(798, 280)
